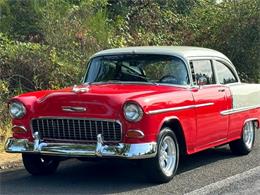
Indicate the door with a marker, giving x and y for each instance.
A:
(210, 100)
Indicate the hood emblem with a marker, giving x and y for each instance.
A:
(77, 89)
(73, 109)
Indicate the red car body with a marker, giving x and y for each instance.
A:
(203, 127)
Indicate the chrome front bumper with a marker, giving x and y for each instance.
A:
(129, 151)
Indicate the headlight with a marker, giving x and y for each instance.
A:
(133, 112)
(17, 110)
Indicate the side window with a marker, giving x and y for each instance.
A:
(225, 75)
(203, 68)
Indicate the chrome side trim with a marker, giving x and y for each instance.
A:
(180, 108)
(121, 150)
(237, 110)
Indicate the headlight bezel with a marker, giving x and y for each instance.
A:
(138, 108)
(21, 108)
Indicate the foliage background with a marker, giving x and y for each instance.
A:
(47, 43)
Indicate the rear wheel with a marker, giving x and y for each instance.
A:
(40, 165)
(245, 144)
(163, 167)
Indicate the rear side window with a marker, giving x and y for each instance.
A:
(225, 75)
(203, 68)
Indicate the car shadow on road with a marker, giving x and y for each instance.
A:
(209, 156)
(109, 176)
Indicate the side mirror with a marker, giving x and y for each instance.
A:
(202, 80)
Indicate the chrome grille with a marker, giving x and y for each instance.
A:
(70, 129)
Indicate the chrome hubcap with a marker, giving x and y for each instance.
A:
(167, 155)
(248, 134)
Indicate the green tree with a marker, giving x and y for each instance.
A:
(19, 19)
(231, 27)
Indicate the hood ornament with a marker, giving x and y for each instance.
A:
(77, 89)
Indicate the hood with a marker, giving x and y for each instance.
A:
(95, 100)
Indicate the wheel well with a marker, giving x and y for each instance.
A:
(254, 120)
(256, 123)
(176, 127)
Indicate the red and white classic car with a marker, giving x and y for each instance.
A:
(149, 103)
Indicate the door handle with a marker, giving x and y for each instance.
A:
(221, 90)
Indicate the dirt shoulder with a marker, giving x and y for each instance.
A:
(9, 160)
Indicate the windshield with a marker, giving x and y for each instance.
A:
(138, 68)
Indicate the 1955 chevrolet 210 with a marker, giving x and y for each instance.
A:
(148, 103)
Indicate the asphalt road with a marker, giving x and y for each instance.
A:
(215, 171)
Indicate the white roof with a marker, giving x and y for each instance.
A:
(181, 51)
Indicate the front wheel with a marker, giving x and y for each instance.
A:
(163, 167)
(40, 165)
(245, 144)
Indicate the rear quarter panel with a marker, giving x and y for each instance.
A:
(247, 97)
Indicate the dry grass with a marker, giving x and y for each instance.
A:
(5, 119)
(5, 132)
(7, 160)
